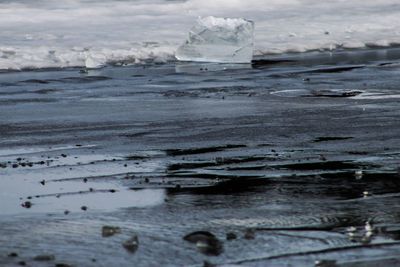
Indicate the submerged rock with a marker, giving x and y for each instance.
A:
(206, 242)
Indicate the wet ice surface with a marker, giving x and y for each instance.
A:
(295, 159)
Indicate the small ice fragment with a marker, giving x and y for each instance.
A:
(358, 174)
(222, 40)
(95, 61)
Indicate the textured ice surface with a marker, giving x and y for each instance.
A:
(219, 40)
(54, 34)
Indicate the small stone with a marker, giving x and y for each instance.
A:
(43, 182)
(62, 265)
(125, 165)
(22, 263)
(85, 180)
(44, 258)
(108, 231)
(325, 263)
(27, 204)
(84, 208)
(13, 255)
(249, 234)
(15, 165)
(66, 212)
(208, 264)
(63, 155)
(231, 236)
(131, 244)
(206, 242)
(112, 190)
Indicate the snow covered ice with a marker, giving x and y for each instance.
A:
(224, 40)
(92, 33)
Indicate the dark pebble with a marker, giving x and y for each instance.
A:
(13, 255)
(62, 265)
(146, 180)
(15, 165)
(84, 208)
(22, 263)
(231, 236)
(108, 231)
(66, 212)
(43, 182)
(125, 165)
(19, 159)
(44, 258)
(63, 155)
(206, 242)
(325, 263)
(112, 191)
(27, 204)
(249, 234)
(208, 264)
(85, 180)
(131, 244)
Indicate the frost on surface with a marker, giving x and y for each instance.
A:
(224, 40)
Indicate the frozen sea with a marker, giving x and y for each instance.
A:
(48, 34)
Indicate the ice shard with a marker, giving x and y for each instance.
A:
(224, 40)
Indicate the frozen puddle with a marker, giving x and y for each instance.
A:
(65, 180)
(72, 196)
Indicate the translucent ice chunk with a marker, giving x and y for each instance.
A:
(93, 61)
(224, 40)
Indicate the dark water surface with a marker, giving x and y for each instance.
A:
(286, 162)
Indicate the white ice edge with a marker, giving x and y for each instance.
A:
(68, 33)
